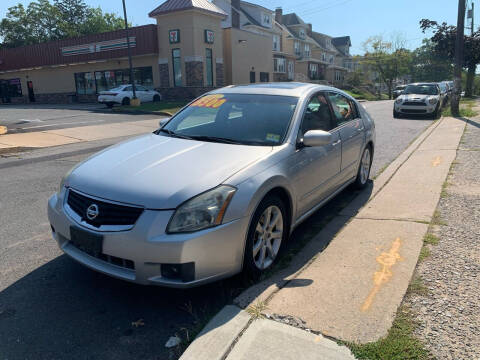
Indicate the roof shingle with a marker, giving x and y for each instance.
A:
(179, 5)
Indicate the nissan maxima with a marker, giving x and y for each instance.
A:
(218, 188)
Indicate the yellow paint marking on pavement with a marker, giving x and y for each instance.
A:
(386, 260)
(437, 161)
(3, 130)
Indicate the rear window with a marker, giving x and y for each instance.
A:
(242, 118)
(427, 89)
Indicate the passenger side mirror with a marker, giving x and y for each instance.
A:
(317, 138)
(163, 121)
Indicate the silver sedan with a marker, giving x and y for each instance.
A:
(218, 188)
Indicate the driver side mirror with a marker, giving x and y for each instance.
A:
(317, 138)
(163, 121)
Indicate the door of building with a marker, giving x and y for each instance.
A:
(31, 94)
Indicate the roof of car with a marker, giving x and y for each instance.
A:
(424, 83)
(274, 88)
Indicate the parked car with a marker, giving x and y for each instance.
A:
(444, 93)
(398, 90)
(124, 93)
(419, 99)
(218, 188)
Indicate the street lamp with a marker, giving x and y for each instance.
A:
(129, 50)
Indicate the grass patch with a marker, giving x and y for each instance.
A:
(399, 344)
(437, 219)
(430, 239)
(170, 107)
(361, 95)
(417, 287)
(424, 253)
(444, 192)
(466, 109)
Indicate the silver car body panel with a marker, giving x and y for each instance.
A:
(159, 173)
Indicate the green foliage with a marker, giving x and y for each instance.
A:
(43, 21)
(428, 65)
(399, 344)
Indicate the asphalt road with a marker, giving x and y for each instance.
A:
(31, 118)
(53, 308)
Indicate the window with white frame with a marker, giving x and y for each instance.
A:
(296, 47)
(324, 57)
(338, 75)
(276, 42)
(301, 34)
(313, 71)
(266, 19)
(330, 60)
(279, 65)
(307, 50)
(291, 70)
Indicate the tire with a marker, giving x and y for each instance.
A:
(436, 113)
(253, 266)
(396, 115)
(126, 101)
(363, 172)
(156, 98)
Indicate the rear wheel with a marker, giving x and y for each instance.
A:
(126, 101)
(364, 168)
(267, 234)
(156, 98)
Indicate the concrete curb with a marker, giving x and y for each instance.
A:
(138, 112)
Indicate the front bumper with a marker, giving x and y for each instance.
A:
(216, 253)
(415, 109)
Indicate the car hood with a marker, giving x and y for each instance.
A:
(161, 172)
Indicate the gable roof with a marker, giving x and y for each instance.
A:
(292, 19)
(180, 5)
(341, 41)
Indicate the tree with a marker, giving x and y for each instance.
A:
(390, 59)
(428, 65)
(43, 21)
(443, 39)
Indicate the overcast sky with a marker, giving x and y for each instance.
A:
(357, 18)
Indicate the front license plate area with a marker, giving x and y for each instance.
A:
(86, 241)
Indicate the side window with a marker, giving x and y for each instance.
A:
(317, 115)
(128, 88)
(341, 108)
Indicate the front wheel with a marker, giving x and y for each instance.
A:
(126, 101)
(267, 234)
(156, 98)
(364, 169)
(396, 114)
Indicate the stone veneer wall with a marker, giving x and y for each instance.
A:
(194, 73)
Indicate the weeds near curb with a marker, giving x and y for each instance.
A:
(430, 239)
(256, 310)
(424, 253)
(417, 287)
(437, 219)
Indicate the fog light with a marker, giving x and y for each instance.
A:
(184, 272)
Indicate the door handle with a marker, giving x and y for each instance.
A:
(336, 142)
(361, 129)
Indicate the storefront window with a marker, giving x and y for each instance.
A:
(177, 67)
(209, 65)
(94, 82)
(10, 88)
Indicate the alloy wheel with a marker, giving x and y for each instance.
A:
(268, 237)
(365, 166)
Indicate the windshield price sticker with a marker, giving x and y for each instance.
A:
(273, 137)
(210, 101)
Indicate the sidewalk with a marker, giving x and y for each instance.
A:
(351, 290)
(49, 138)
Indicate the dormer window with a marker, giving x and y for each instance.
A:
(266, 20)
(302, 34)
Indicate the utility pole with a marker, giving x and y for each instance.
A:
(471, 66)
(455, 104)
(132, 80)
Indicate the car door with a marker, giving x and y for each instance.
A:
(142, 94)
(314, 170)
(352, 132)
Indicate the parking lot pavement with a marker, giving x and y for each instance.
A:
(50, 307)
(35, 118)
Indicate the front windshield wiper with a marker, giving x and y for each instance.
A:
(172, 133)
(216, 139)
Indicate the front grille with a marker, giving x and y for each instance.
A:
(414, 111)
(414, 103)
(108, 213)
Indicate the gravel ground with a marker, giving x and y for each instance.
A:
(449, 315)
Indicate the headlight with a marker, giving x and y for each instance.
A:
(399, 100)
(433, 101)
(203, 211)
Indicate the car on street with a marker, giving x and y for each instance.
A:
(444, 92)
(218, 188)
(124, 93)
(419, 99)
(398, 90)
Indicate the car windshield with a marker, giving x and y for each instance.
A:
(118, 88)
(401, 87)
(247, 119)
(421, 89)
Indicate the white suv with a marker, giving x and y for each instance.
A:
(124, 93)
